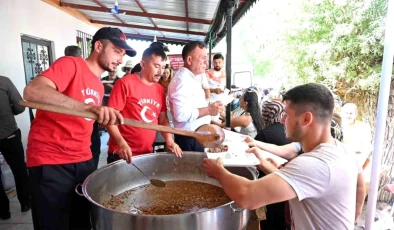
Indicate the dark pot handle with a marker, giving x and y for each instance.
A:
(76, 189)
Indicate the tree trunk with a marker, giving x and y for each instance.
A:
(367, 107)
(387, 169)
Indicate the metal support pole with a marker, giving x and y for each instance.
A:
(210, 51)
(229, 25)
(384, 93)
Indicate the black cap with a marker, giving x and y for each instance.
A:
(116, 36)
(159, 45)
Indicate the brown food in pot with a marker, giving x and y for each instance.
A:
(177, 197)
(220, 149)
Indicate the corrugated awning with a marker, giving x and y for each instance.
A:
(170, 21)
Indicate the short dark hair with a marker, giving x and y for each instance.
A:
(155, 51)
(105, 42)
(136, 69)
(74, 51)
(189, 47)
(218, 56)
(312, 97)
(160, 45)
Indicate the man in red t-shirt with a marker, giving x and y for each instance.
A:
(58, 150)
(138, 96)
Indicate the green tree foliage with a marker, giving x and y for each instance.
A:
(342, 44)
(335, 42)
(338, 43)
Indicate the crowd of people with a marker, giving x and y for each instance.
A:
(321, 187)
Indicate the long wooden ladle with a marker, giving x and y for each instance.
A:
(209, 136)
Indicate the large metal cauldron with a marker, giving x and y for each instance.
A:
(120, 176)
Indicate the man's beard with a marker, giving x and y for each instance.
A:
(296, 134)
(105, 66)
(217, 68)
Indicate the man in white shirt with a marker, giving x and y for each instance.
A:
(357, 136)
(210, 93)
(187, 101)
(320, 184)
(215, 79)
(203, 80)
(217, 75)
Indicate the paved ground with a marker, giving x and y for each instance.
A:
(23, 221)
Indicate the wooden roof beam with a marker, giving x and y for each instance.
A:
(148, 28)
(187, 14)
(143, 10)
(73, 12)
(163, 39)
(136, 13)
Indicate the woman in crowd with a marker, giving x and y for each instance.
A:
(251, 121)
(165, 80)
(273, 133)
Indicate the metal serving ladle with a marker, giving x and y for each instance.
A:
(154, 182)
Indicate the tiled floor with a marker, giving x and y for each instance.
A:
(23, 221)
(19, 220)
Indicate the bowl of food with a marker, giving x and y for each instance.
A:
(220, 149)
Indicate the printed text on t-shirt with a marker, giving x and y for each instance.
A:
(91, 92)
(149, 101)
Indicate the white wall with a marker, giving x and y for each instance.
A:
(37, 19)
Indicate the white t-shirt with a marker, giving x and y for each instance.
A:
(216, 84)
(325, 182)
(249, 130)
(203, 80)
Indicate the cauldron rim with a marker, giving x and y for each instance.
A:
(86, 181)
